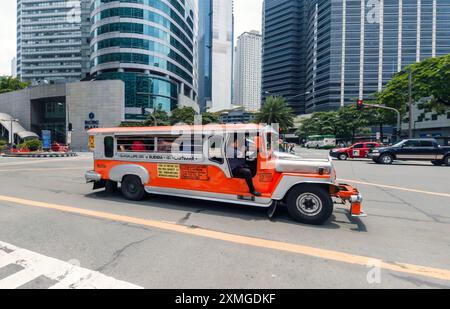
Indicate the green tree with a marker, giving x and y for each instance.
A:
(131, 124)
(343, 123)
(430, 79)
(276, 110)
(159, 116)
(8, 84)
(208, 118)
(184, 115)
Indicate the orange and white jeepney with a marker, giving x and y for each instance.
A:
(191, 162)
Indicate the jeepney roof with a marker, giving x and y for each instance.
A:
(195, 128)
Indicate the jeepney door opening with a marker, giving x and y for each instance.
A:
(248, 149)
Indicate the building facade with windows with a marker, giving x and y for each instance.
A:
(353, 48)
(52, 40)
(284, 57)
(216, 26)
(152, 46)
(247, 71)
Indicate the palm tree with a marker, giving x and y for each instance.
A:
(276, 110)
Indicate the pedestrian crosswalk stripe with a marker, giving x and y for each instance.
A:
(67, 275)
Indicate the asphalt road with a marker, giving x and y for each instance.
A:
(180, 243)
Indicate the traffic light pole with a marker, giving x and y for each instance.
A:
(399, 117)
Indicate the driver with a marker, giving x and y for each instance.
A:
(239, 168)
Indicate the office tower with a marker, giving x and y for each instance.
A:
(14, 67)
(284, 51)
(216, 26)
(353, 47)
(152, 47)
(51, 45)
(367, 43)
(247, 72)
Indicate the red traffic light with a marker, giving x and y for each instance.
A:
(360, 104)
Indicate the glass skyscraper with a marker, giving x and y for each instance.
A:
(284, 57)
(52, 40)
(354, 47)
(216, 34)
(363, 43)
(152, 46)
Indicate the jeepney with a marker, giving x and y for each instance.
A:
(191, 162)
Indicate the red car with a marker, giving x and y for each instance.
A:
(358, 150)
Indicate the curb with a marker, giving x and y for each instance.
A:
(41, 155)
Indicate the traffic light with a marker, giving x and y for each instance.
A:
(360, 104)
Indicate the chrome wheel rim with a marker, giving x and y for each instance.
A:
(309, 204)
(387, 159)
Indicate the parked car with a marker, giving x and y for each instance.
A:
(56, 147)
(413, 149)
(356, 151)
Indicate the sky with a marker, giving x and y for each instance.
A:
(247, 17)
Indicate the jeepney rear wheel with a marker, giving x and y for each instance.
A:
(132, 188)
(310, 204)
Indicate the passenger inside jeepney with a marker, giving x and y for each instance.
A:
(236, 155)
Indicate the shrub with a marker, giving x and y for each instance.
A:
(31, 145)
(2, 145)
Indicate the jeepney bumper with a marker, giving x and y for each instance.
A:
(96, 178)
(92, 176)
(350, 195)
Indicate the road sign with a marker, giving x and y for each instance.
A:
(46, 139)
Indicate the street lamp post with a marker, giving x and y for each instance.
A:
(397, 112)
(67, 125)
(410, 127)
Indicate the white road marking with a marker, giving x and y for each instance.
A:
(395, 187)
(47, 169)
(43, 160)
(67, 275)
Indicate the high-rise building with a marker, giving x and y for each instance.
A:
(356, 46)
(284, 51)
(216, 26)
(14, 67)
(152, 46)
(51, 42)
(353, 48)
(247, 71)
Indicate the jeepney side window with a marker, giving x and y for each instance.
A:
(189, 144)
(109, 146)
(215, 149)
(165, 144)
(135, 144)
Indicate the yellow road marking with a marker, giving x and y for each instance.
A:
(435, 273)
(395, 188)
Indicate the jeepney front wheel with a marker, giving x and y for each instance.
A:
(310, 204)
(132, 188)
